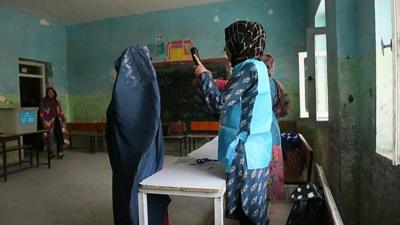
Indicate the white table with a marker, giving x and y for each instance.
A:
(186, 178)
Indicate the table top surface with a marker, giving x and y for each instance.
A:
(6, 136)
(208, 150)
(188, 176)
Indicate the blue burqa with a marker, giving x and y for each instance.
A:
(134, 136)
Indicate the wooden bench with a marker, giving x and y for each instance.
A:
(307, 154)
(332, 215)
(288, 126)
(4, 149)
(278, 211)
(176, 131)
(95, 131)
(202, 130)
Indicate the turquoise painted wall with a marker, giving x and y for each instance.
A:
(21, 36)
(93, 47)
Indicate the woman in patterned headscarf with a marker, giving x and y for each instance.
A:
(244, 138)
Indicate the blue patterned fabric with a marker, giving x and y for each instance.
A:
(134, 136)
(258, 138)
(275, 130)
(246, 188)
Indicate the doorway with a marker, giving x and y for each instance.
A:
(31, 82)
(32, 85)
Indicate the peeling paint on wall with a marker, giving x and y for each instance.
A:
(44, 22)
(9, 100)
(90, 108)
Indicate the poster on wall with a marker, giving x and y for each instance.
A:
(179, 50)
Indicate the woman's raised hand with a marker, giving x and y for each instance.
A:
(199, 68)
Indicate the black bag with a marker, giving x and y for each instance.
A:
(307, 208)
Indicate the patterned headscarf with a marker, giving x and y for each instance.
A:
(245, 40)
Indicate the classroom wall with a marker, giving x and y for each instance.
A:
(384, 71)
(22, 36)
(379, 179)
(93, 47)
(365, 184)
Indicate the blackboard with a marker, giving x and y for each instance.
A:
(178, 93)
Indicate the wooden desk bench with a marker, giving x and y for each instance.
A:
(175, 131)
(331, 215)
(202, 130)
(278, 211)
(95, 131)
(4, 138)
(307, 155)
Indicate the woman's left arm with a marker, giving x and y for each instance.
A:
(60, 112)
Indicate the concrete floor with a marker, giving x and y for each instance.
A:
(77, 191)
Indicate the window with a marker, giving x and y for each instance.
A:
(313, 77)
(319, 19)
(396, 154)
(302, 84)
(387, 28)
(321, 77)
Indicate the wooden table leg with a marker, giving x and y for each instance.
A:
(180, 146)
(37, 154)
(19, 152)
(48, 151)
(218, 211)
(143, 210)
(31, 156)
(91, 147)
(4, 162)
(190, 145)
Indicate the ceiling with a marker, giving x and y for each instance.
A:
(81, 11)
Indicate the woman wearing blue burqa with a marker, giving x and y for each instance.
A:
(134, 136)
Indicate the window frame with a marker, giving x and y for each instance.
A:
(396, 66)
(302, 57)
(392, 153)
(310, 86)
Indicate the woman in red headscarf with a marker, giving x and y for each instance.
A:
(53, 119)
